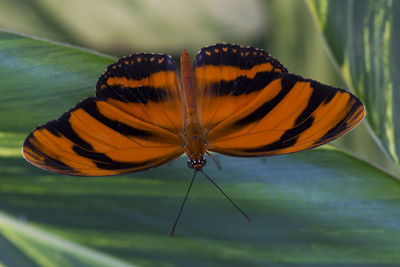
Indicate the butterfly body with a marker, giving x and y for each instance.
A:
(195, 139)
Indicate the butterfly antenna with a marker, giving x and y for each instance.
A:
(239, 209)
(183, 204)
(215, 160)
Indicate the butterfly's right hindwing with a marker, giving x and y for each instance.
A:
(291, 114)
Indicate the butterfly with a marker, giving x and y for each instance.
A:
(234, 100)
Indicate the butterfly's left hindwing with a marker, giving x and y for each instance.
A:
(95, 138)
(134, 123)
(291, 114)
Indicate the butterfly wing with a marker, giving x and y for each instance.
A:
(127, 127)
(229, 77)
(278, 113)
(292, 114)
(147, 87)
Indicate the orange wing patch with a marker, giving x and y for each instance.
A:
(159, 79)
(291, 114)
(229, 79)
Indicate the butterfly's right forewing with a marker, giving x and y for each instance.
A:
(229, 77)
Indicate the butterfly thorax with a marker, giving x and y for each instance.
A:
(195, 144)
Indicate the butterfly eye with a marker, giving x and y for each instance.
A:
(190, 164)
(203, 162)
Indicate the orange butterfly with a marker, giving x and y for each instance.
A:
(237, 101)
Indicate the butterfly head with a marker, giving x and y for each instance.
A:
(197, 164)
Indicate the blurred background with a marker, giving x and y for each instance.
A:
(310, 205)
(284, 28)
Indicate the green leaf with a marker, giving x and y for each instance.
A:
(363, 37)
(25, 245)
(315, 207)
(30, 68)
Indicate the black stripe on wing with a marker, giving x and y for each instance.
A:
(235, 55)
(287, 81)
(242, 84)
(136, 67)
(141, 94)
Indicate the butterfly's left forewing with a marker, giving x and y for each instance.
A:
(134, 123)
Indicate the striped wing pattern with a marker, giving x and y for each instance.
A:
(290, 114)
(247, 104)
(133, 123)
(228, 78)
